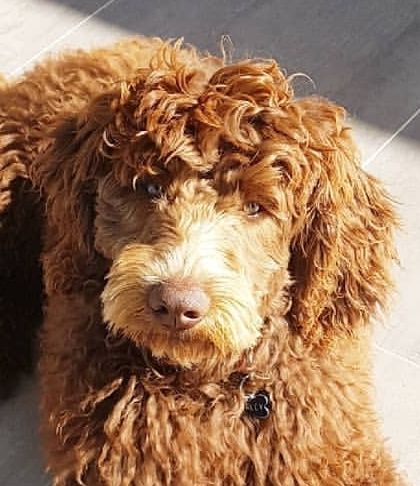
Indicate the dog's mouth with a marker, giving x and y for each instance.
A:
(226, 329)
(230, 325)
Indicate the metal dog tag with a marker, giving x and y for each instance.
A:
(258, 405)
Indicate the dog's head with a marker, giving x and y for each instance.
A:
(216, 200)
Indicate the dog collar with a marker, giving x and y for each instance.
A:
(257, 405)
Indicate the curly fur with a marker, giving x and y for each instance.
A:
(293, 288)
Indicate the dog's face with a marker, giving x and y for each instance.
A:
(220, 201)
(197, 258)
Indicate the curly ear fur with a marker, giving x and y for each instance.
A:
(20, 247)
(66, 175)
(12, 153)
(342, 253)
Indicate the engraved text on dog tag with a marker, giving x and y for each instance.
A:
(258, 405)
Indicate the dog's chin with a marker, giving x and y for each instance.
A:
(181, 349)
(219, 336)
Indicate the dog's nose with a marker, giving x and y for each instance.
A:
(178, 305)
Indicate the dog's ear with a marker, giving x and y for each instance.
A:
(343, 245)
(12, 161)
(66, 174)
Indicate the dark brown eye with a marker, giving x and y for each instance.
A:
(253, 208)
(153, 190)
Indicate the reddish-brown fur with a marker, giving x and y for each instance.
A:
(292, 287)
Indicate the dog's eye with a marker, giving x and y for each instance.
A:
(154, 190)
(253, 208)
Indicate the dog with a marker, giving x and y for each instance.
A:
(213, 255)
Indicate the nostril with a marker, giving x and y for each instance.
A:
(193, 315)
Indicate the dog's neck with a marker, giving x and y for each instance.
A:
(256, 363)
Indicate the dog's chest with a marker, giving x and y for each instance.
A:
(246, 434)
(206, 441)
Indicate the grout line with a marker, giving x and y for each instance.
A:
(396, 355)
(19, 69)
(391, 138)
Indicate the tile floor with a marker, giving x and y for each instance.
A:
(365, 55)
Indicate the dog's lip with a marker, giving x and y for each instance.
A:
(176, 330)
(171, 331)
(179, 333)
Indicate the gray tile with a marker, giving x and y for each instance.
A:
(369, 138)
(413, 129)
(398, 403)
(20, 456)
(399, 167)
(384, 89)
(27, 26)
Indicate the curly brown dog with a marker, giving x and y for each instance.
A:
(212, 256)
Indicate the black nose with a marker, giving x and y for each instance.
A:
(178, 305)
